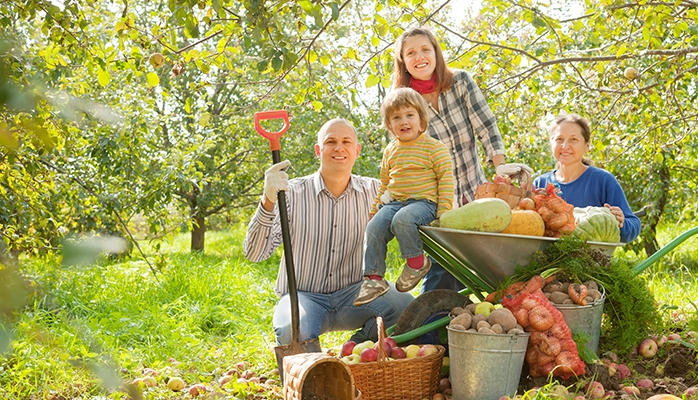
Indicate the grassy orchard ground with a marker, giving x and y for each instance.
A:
(86, 331)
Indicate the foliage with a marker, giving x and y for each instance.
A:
(96, 139)
(630, 307)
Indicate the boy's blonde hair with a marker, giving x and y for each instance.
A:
(404, 97)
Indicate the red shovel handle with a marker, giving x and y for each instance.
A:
(272, 136)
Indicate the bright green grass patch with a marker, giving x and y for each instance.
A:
(85, 330)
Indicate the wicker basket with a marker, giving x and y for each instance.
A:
(509, 193)
(317, 376)
(403, 379)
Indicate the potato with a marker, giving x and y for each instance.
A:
(485, 330)
(503, 317)
(483, 324)
(496, 328)
(477, 318)
(464, 319)
(558, 297)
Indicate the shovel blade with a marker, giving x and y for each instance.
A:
(308, 346)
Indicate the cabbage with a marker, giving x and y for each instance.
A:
(596, 224)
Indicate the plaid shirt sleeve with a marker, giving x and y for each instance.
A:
(464, 115)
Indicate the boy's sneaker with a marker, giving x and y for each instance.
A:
(371, 290)
(410, 277)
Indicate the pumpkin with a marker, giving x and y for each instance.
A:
(596, 224)
(525, 222)
(484, 215)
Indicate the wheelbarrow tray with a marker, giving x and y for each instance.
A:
(490, 257)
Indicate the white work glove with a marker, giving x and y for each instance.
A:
(509, 170)
(276, 179)
(386, 197)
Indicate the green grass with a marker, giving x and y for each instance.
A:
(86, 330)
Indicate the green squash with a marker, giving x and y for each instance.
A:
(483, 215)
(596, 224)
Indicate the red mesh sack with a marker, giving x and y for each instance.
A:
(550, 346)
(557, 214)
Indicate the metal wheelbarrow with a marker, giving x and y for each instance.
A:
(480, 260)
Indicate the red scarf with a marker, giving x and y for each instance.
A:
(423, 87)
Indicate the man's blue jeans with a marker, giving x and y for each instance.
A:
(321, 313)
(400, 220)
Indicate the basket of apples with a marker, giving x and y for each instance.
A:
(391, 372)
(511, 190)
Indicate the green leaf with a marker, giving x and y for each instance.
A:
(103, 77)
(372, 80)
(153, 79)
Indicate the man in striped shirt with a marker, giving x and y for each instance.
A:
(328, 212)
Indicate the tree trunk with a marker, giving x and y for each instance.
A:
(649, 232)
(198, 232)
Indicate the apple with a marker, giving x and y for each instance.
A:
(369, 355)
(347, 348)
(386, 347)
(411, 351)
(175, 384)
(198, 389)
(150, 371)
(645, 384)
(398, 353)
(224, 379)
(648, 348)
(673, 336)
(157, 60)
(612, 368)
(361, 346)
(391, 342)
(630, 73)
(661, 341)
(146, 381)
(484, 308)
(623, 371)
(595, 390)
(427, 350)
(630, 389)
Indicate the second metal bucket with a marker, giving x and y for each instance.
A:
(485, 366)
(585, 319)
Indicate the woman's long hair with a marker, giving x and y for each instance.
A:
(401, 77)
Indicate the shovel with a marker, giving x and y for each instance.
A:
(296, 346)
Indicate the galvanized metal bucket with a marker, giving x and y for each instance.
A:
(585, 319)
(485, 366)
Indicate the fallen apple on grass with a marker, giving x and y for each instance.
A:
(648, 348)
(175, 384)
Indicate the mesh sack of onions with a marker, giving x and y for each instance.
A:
(550, 346)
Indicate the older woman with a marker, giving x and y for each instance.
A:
(582, 184)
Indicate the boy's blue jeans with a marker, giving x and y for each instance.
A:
(400, 220)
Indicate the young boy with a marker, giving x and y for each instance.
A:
(416, 188)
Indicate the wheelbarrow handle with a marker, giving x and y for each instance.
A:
(273, 137)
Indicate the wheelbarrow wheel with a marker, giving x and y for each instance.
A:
(428, 307)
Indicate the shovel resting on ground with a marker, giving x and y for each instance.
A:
(296, 346)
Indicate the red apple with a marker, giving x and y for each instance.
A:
(368, 355)
(348, 347)
(427, 350)
(595, 390)
(390, 341)
(398, 353)
(648, 348)
(633, 390)
(645, 384)
(661, 341)
(386, 347)
(198, 389)
(623, 371)
(673, 336)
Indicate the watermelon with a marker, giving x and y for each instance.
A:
(596, 224)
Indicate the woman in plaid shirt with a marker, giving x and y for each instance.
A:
(458, 113)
